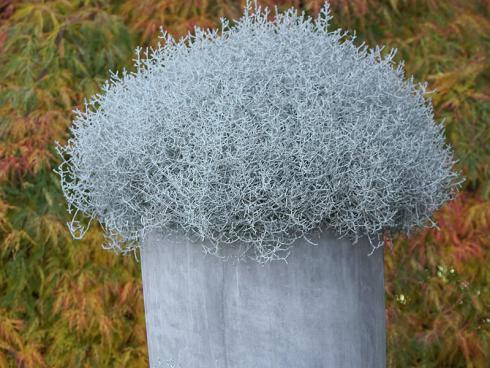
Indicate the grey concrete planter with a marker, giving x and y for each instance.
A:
(324, 308)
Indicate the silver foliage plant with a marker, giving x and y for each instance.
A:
(257, 134)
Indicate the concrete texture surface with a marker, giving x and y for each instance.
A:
(324, 308)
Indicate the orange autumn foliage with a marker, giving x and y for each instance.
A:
(66, 303)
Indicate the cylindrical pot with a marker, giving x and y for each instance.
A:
(323, 308)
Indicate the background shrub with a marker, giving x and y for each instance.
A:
(70, 304)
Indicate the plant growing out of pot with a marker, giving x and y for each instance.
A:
(272, 139)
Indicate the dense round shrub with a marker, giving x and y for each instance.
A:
(257, 134)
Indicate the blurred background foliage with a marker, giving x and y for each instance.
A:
(66, 303)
